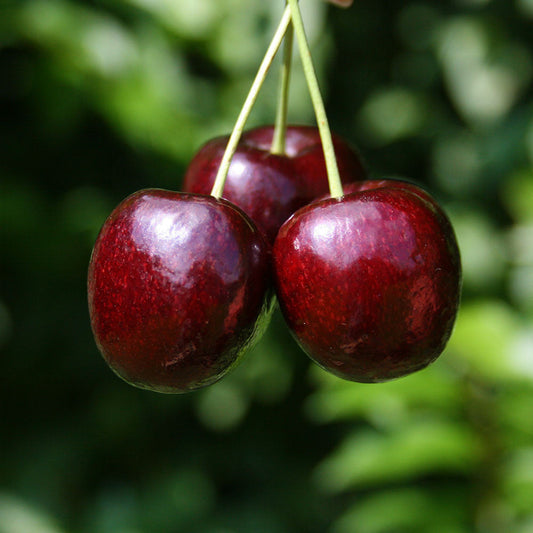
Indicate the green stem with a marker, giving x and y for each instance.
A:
(220, 180)
(334, 180)
(280, 130)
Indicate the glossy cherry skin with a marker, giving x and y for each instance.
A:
(394, 183)
(369, 284)
(178, 289)
(269, 187)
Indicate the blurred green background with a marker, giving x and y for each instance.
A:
(101, 98)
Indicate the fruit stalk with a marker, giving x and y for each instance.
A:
(222, 173)
(335, 185)
(280, 130)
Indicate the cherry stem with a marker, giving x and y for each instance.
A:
(334, 180)
(220, 180)
(280, 130)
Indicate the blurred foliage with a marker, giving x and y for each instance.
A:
(100, 98)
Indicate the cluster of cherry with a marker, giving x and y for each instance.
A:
(181, 284)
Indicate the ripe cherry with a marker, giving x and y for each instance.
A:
(271, 187)
(394, 183)
(369, 284)
(178, 288)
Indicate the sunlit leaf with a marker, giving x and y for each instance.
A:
(386, 404)
(417, 448)
(17, 516)
(484, 341)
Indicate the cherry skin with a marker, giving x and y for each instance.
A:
(179, 288)
(395, 183)
(269, 187)
(369, 284)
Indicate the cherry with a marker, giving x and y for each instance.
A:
(369, 284)
(178, 288)
(395, 183)
(267, 186)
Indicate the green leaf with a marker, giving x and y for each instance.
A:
(422, 447)
(518, 480)
(411, 510)
(484, 342)
(18, 516)
(518, 195)
(434, 388)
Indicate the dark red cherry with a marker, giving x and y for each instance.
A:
(369, 284)
(178, 288)
(394, 183)
(269, 187)
(397, 183)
